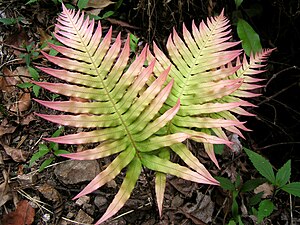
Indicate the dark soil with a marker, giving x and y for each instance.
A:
(276, 128)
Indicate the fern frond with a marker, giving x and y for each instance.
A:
(209, 80)
(124, 110)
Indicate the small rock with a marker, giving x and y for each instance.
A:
(82, 200)
(89, 208)
(49, 192)
(100, 201)
(150, 221)
(70, 215)
(177, 201)
(82, 217)
(26, 179)
(76, 171)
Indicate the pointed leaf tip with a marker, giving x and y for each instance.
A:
(222, 12)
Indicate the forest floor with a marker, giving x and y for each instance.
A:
(45, 197)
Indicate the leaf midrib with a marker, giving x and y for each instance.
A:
(102, 81)
(196, 58)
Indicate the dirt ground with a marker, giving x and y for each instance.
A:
(46, 196)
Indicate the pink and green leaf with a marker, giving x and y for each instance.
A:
(114, 168)
(132, 174)
(165, 166)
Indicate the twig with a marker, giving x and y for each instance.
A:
(291, 210)
(131, 211)
(276, 144)
(280, 72)
(41, 205)
(222, 207)
(10, 61)
(35, 144)
(14, 47)
(278, 93)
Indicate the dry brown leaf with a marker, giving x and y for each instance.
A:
(8, 81)
(5, 195)
(18, 38)
(24, 72)
(23, 104)
(201, 211)
(4, 189)
(25, 120)
(121, 23)
(44, 37)
(23, 215)
(98, 4)
(266, 188)
(18, 155)
(6, 128)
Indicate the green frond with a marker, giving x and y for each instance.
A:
(210, 80)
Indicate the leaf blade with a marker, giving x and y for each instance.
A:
(262, 165)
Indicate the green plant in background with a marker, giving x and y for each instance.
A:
(31, 54)
(52, 148)
(134, 41)
(280, 179)
(82, 4)
(35, 76)
(35, 1)
(10, 21)
(250, 39)
(237, 188)
(265, 207)
(142, 114)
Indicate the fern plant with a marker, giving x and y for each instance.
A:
(140, 113)
(118, 104)
(210, 81)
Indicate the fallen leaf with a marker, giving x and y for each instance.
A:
(5, 128)
(18, 155)
(98, 4)
(5, 195)
(266, 188)
(23, 104)
(44, 37)
(18, 38)
(25, 120)
(23, 215)
(201, 211)
(8, 81)
(24, 72)
(183, 186)
(236, 144)
(121, 23)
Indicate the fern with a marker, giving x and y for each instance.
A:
(211, 82)
(125, 111)
(195, 93)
